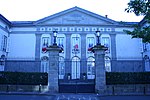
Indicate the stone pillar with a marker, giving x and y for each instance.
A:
(54, 51)
(100, 76)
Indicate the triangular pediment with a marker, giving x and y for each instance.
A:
(75, 15)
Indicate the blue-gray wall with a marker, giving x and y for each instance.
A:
(127, 66)
(22, 66)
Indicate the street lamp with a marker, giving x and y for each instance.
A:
(55, 35)
(98, 37)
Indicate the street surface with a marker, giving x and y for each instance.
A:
(69, 97)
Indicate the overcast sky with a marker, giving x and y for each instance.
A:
(32, 10)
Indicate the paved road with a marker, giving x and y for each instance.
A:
(70, 97)
(26, 97)
(125, 98)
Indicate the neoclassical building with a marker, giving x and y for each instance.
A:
(23, 44)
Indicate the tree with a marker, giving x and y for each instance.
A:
(140, 7)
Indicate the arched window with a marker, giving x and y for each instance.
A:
(147, 63)
(107, 64)
(2, 62)
(44, 64)
(75, 67)
(91, 68)
(61, 67)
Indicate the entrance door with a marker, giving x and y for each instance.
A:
(75, 68)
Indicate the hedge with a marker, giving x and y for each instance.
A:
(23, 78)
(36, 78)
(114, 78)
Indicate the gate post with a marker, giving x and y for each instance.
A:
(53, 51)
(100, 75)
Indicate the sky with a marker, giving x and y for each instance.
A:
(32, 10)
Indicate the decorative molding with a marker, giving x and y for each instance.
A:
(86, 29)
(78, 29)
(64, 29)
(71, 29)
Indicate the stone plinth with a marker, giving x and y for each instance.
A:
(54, 51)
(100, 77)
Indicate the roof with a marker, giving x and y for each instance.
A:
(76, 9)
(32, 23)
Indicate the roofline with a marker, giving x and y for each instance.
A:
(5, 20)
(34, 23)
(22, 23)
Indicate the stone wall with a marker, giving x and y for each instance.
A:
(110, 89)
(23, 88)
(128, 89)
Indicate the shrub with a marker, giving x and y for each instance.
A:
(113, 78)
(23, 78)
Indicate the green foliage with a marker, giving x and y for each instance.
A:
(114, 78)
(23, 78)
(140, 7)
(140, 32)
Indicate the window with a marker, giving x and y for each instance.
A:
(90, 44)
(145, 47)
(44, 64)
(107, 64)
(60, 41)
(75, 44)
(4, 43)
(147, 63)
(106, 42)
(45, 43)
(61, 68)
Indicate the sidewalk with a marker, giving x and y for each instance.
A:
(71, 96)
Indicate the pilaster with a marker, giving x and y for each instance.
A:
(83, 54)
(113, 51)
(37, 46)
(68, 53)
(113, 46)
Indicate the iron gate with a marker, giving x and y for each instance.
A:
(81, 82)
(77, 86)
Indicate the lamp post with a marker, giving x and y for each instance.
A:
(98, 37)
(55, 35)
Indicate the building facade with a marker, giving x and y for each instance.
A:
(23, 44)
